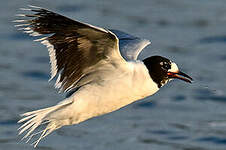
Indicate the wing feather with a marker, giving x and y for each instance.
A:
(74, 47)
(129, 45)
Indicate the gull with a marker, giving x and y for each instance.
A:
(98, 68)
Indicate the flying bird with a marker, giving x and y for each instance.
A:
(97, 67)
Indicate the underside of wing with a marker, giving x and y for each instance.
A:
(130, 46)
(74, 47)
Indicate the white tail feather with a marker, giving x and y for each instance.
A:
(36, 118)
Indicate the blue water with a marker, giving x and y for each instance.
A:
(179, 117)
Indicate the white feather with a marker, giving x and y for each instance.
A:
(58, 84)
(52, 56)
(28, 31)
(174, 67)
(20, 15)
(35, 34)
(85, 103)
(41, 39)
(32, 6)
(20, 25)
(28, 28)
(40, 117)
(19, 21)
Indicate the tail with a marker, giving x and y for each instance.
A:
(36, 118)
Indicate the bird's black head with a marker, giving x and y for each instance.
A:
(162, 70)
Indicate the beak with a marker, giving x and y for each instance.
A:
(180, 75)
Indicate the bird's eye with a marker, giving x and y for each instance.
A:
(165, 65)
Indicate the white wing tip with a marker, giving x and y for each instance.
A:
(20, 15)
(41, 39)
(35, 34)
(32, 6)
(52, 56)
(19, 21)
(58, 84)
(21, 25)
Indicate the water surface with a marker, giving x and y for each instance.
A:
(179, 117)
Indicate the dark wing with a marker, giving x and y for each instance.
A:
(129, 45)
(73, 47)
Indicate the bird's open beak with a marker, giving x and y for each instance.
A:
(180, 75)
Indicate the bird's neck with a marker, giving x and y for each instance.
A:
(155, 75)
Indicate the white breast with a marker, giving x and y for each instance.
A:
(143, 85)
(121, 89)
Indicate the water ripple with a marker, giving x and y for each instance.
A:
(162, 132)
(206, 94)
(36, 75)
(213, 139)
(19, 36)
(213, 39)
(8, 122)
(146, 104)
(179, 98)
(178, 137)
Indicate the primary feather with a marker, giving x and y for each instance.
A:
(69, 43)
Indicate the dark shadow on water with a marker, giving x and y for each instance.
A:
(180, 126)
(36, 75)
(179, 98)
(178, 138)
(213, 39)
(6, 140)
(8, 122)
(19, 36)
(213, 139)
(161, 132)
(222, 57)
(146, 104)
(206, 94)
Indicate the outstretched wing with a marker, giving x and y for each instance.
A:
(130, 46)
(74, 47)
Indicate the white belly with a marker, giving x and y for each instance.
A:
(97, 99)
